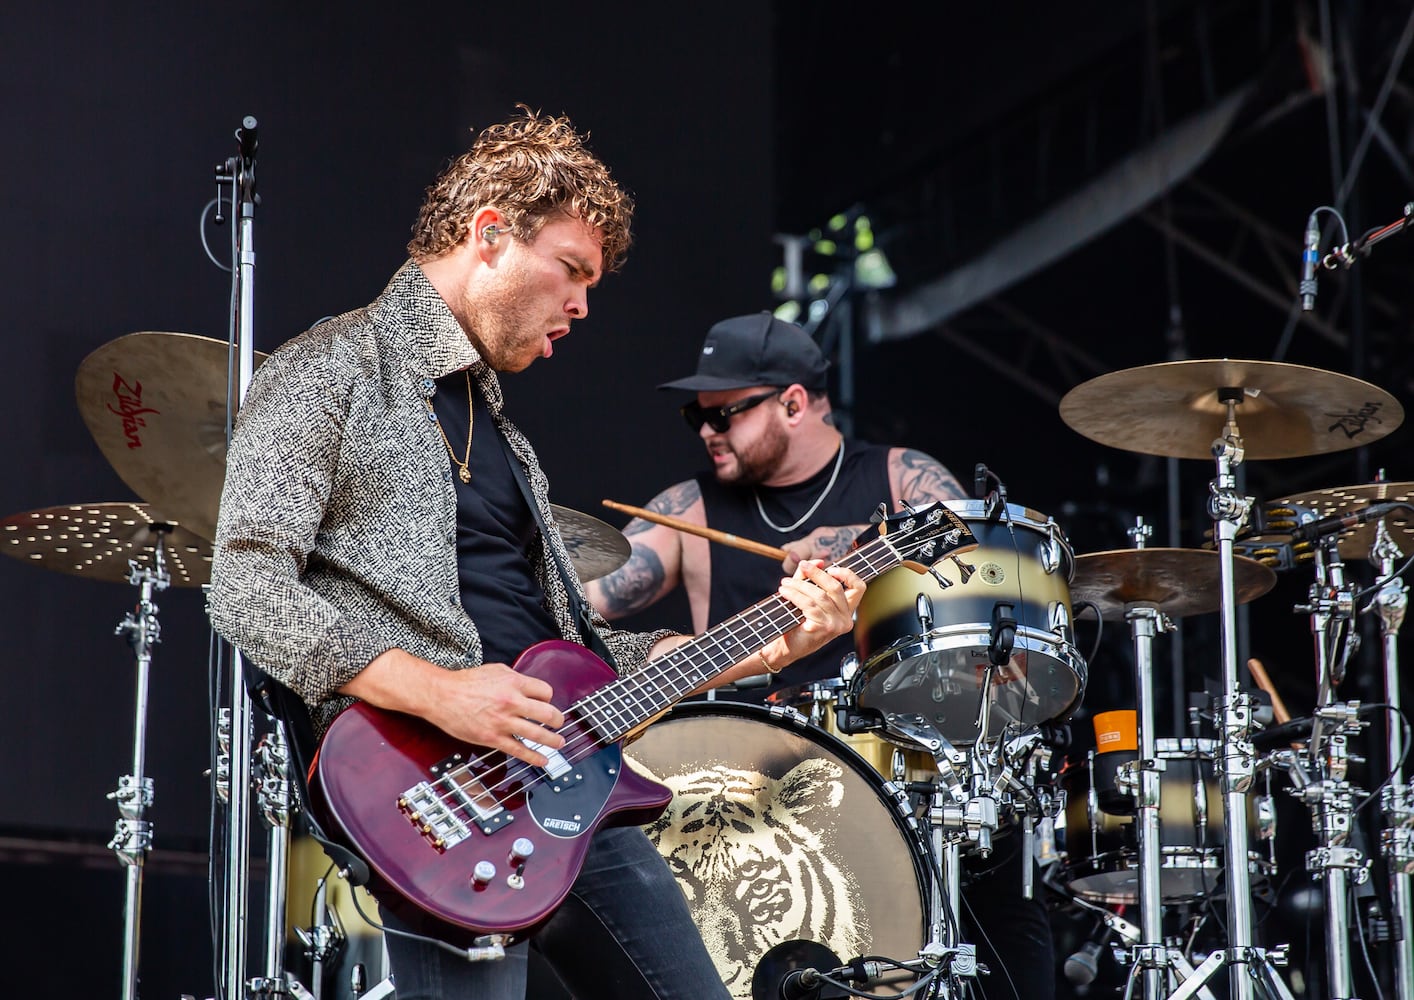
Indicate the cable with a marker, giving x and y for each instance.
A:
(1396, 766)
(201, 230)
(977, 924)
(1354, 904)
(1099, 628)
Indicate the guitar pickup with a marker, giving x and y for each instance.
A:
(557, 767)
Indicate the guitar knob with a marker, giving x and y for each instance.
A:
(482, 874)
(520, 850)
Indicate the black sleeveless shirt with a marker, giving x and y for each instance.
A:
(494, 527)
(740, 579)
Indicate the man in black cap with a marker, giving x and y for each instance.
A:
(783, 474)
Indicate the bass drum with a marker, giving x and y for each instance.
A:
(1102, 849)
(925, 646)
(788, 847)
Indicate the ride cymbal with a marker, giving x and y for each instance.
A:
(98, 540)
(1179, 582)
(596, 549)
(155, 403)
(1176, 410)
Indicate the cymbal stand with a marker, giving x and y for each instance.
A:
(1235, 765)
(132, 836)
(1149, 952)
(1397, 800)
(1330, 797)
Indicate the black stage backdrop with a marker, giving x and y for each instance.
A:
(727, 122)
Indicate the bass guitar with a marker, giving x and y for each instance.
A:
(490, 845)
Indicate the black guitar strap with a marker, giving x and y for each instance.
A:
(578, 608)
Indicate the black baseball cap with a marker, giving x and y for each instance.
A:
(755, 350)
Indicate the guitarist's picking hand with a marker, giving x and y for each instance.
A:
(489, 705)
(495, 707)
(827, 598)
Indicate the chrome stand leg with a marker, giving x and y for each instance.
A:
(132, 836)
(1397, 837)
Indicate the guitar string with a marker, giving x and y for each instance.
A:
(462, 811)
(494, 791)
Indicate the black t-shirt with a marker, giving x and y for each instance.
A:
(494, 527)
(740, 579)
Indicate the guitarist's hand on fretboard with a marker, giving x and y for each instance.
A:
(827, 598)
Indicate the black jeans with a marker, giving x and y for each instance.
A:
(624, 932)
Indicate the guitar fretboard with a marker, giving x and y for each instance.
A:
(618, 708)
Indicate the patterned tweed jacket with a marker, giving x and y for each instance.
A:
(336, 538)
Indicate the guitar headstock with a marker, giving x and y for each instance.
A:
(927, 535)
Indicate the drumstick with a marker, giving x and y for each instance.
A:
(1259, 674)
(746, 544)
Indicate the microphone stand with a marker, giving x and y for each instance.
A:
(1345, 255)
(239, 173)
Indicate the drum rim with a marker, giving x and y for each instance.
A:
(970, 509)
(1026, 638)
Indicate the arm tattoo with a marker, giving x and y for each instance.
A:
(671, 502)
(836, 541)
(633, 586)
(925, 479)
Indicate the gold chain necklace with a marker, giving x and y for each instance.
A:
(463, 464)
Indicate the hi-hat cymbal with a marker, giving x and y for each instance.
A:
(1179, 582)
(1353, 543)
(97, 540)
(1174, 409)
(596, 548)
(156, 404)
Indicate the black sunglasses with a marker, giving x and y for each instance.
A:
(719, 418)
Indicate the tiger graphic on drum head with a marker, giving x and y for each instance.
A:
(778, 834)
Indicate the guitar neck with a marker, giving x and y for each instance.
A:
(618, 708)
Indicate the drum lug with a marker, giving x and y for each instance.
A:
(1053, 549)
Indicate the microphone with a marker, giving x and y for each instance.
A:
(1083, 966)
(802, 984)
(249, 137)
(1313, 530)
(1309, 258)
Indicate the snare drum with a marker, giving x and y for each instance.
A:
(790, 850)
(1102, 848)
(925, 645)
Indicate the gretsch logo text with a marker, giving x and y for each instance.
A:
(130, 408)
(1353, 423)
(568, 825)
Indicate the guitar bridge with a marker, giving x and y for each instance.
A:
(445, 810)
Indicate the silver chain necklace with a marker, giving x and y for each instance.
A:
(839, 461)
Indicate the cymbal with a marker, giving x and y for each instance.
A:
(97, 540)
(1173, 409)
(1179, 582)
(1353, 543)
(155, 403)
(596, 548)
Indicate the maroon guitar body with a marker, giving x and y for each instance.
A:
(482, 842)
(370, 760)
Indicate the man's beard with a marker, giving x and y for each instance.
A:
(754, 465)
